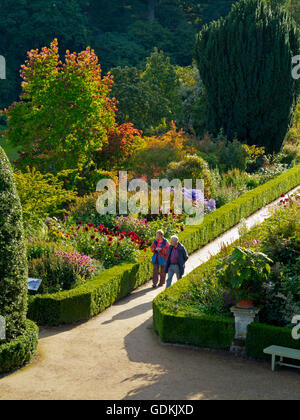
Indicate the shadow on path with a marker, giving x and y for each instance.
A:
(130, 313)
(189, 373)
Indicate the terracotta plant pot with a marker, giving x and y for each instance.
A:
(245, 304)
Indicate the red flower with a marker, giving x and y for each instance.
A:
(93, 237)
(79, 223)
(117, 255)
(145, 249)
(110, 238)
(182, 229)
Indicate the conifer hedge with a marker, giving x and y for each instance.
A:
(245, 62)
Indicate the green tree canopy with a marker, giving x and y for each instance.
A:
(150, 97)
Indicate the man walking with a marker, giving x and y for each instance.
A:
(176, 260)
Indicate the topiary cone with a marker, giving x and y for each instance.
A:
(13, 262)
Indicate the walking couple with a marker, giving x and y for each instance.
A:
(167, 259)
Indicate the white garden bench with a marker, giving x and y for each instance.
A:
(282, 352)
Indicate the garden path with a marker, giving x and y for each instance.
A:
(117, 355)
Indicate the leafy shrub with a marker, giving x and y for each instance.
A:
(158, 152)
(19, 351)
(38, 248)
(282, 296)
(191, 167)
(229, 185)
(261, 336)
(62, 271)
(279, 237)
(290, 154)
(226, 155)
(84, 210)
(13, 265)
(223, 195)
(241, 180)
(243, 272)
(41, 196)
(192, 115)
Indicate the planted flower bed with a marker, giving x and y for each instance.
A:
(94, 296)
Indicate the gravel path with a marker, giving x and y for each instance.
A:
(117, 355)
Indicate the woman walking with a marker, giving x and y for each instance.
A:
(160, 249)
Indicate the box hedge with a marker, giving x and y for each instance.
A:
(13, 262)
(19, 351)
(92, 298)
(260, 336)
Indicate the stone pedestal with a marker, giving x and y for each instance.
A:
(243, 317)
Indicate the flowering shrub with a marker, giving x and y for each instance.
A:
(140, 227)
(106, 246)
(81, 264)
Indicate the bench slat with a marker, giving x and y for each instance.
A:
(283, 352)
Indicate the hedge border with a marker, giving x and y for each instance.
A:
(94, 297)
(260, 336)
(16, 353)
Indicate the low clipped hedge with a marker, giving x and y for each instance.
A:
(16, 353)
(203, 330)
(229, 215)
(92, 298)
(260, 336)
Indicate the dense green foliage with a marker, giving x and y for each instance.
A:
(149, 97)
(122, 32)
(13, 264)
(261, 336)
(40, 196)
(20, 350)
(245, 62)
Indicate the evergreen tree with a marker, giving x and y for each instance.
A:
(245, 62)
(13, 263)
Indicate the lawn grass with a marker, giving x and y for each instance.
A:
(11, 151)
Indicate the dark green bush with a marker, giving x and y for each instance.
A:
(260, 336)
(192, 167)
(13, 264)
(251, 93)
(202, 330)
(84, 210)
(20, 350)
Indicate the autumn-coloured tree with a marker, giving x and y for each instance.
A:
(64, 114)
(157, 152)
(123, 140)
